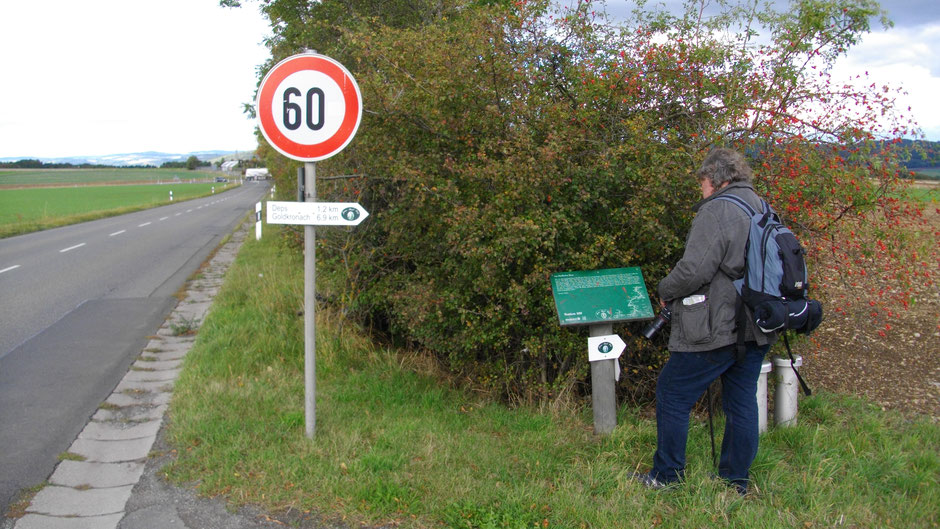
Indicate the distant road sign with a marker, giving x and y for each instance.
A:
(309, 107)
(316, 213)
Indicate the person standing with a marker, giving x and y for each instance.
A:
(701, 295)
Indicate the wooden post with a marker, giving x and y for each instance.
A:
(603, 392)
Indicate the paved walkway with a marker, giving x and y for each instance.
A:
(91, 488)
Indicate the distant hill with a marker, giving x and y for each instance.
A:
(926, 157)
(149, 158)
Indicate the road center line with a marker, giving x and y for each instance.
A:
(71, 248)
(7, 269)
(116, 233)
(164, 218)
(144, 224)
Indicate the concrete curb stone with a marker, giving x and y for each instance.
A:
(67, 501)
(116, 443)
(39, 521)
(119, 431)
(97, 475)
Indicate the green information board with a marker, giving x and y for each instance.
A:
(601, 296)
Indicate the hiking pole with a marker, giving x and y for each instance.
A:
(711, 427)
(805, 387)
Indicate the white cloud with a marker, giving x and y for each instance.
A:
(108, 76)
(906, 59)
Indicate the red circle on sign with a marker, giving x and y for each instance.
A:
(352, 100)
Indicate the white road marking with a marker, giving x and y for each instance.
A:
(164, 218)
(7, 269)
(71, 248)
(116, 233)
(177, 215)
(144, 224)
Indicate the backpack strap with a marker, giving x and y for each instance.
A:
(741, 203)
(740, 313)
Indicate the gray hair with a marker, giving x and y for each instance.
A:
(724, 165)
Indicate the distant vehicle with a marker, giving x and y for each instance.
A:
(220, 179)
(257, 174)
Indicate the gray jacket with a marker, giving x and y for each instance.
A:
(699, 289)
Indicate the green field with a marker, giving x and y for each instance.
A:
(932, 173)
(45, 177)
(31, 209)
(924, 195)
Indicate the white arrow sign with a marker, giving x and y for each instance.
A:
(605, 347)
(316, 213)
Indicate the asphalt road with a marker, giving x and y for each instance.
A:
(76, 306)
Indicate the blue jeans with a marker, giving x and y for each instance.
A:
(684, 379)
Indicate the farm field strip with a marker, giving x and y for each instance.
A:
(96, 177)
(29, 209)
(32, 204)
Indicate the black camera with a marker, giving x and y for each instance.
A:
(657, 324)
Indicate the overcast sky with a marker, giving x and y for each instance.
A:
(98, 77)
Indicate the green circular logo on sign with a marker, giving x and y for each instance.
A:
(350, 214)
(605, 347)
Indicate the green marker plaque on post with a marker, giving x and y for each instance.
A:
(601, 296)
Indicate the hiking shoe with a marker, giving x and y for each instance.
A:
(647, 480)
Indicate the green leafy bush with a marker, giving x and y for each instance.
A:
(501, 144)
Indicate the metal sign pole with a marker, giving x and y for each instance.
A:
(310, 294)
(281, 110)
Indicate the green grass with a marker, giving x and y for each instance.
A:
(31, 209)
(395, 444)
(34, 177)
(924, 195)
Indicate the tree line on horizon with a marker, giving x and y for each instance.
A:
(190, 163)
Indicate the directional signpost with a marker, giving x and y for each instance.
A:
(600, 298)
(309, 108)
(607, 347)
(316, 213)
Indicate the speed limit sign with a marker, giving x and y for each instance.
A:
(309, 107)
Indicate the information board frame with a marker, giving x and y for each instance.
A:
(591, 297)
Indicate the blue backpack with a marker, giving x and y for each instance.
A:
(775, 284)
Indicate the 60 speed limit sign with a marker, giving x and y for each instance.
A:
(309, 107)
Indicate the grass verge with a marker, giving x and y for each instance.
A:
(40, 208)
(396, 445)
